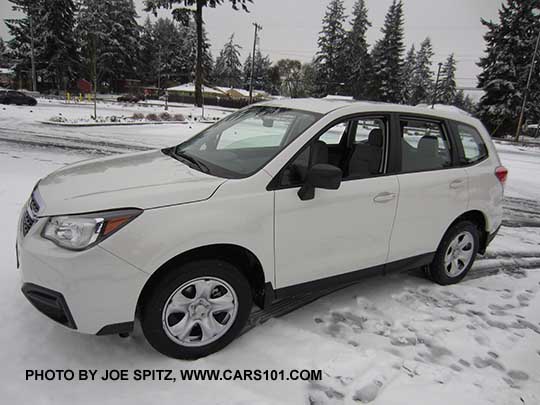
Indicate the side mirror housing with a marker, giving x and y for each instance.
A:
(320, 175)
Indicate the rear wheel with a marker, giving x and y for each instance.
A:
(456, 254)
(197, 310)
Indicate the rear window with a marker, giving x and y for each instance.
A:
(474, 148)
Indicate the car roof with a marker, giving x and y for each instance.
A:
(327, 105)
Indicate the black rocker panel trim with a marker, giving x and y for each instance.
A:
(353, 276)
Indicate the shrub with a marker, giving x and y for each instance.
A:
(152, 117)
(165, 116)
(138, 116)
(179, 117)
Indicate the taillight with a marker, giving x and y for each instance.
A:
(502, 173)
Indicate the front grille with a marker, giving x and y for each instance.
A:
(30, 215)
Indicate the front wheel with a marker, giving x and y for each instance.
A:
(197, 309)
(455, 255)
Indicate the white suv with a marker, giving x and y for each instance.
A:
(274, 200)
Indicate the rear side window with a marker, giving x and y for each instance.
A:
(474, 148)
(424, 146)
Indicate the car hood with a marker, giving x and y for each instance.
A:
(138, 180)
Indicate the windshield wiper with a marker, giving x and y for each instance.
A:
(190, 160)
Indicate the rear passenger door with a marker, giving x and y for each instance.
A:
(433, 189)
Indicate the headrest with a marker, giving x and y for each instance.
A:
(375, 138)
(428, 144)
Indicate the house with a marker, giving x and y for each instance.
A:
(239, 94)
(6, 77)
(188, 89)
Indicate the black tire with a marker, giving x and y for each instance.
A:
(437, 270)
(154, 304)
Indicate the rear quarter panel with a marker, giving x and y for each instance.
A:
(485, 191)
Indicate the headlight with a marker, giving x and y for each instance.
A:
(79, 232)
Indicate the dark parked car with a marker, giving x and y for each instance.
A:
(16, 97)
(130, 98)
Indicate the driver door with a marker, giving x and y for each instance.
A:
(338, 231)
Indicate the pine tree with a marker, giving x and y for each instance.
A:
(509, 46)
(387, 57)
(329, 61)
(57, 50)
(309, 78)
(20, 31)
(184, 15)
(261, 72)
(357, 58)
(290, 72)
(447, 89)
(464, 102)
(109, 29)
(422, 79)
(228, 68)
(407, 74)
(3, 53)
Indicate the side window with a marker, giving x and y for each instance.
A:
(424, 146)
(333, 135)
(474, 148)
(360, 156)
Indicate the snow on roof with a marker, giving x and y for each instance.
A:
(6, 71)
(243, 92)
(190, 87)
(335, 97)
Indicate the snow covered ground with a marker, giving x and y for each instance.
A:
(389, 340)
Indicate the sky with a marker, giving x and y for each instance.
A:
(290, 28)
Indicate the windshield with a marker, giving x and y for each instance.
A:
(242, 143)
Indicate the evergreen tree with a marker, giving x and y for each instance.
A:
(387, 57)
(422, 79)
(109, 30)
(57, 48)
(3, 53)
(329, 60)
(357, 58)
(261, 72)
(21, 30)
(447, 89)
(290, 72)
(464, 102)
(309, 77)
(228, 68)
(184, 15)
(407, 74)
(509, 46)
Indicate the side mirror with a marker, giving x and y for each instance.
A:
(320, 176)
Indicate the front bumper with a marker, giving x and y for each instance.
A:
(89, 291)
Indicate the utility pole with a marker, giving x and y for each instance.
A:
(257, 27)
(159, 72)
(434, 98)
(32, 53)
(526, 94)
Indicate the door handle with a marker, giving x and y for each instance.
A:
(384, 197)
(457, 183)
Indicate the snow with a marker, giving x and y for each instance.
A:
(522, 164)
(389, 340)
(190, 87)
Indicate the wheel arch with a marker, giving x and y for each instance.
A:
(478, 218)
(239, 256)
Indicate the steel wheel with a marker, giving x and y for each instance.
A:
(200, 311)
(459, 254)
